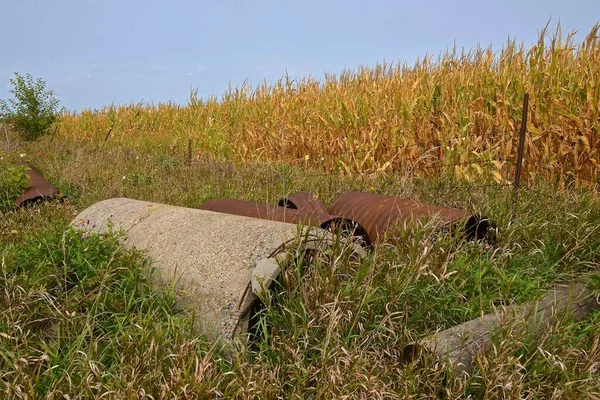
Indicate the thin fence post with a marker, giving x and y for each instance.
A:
(54, 134)
(189, 155)
(7, 139)
(108, 134)
(523, 130)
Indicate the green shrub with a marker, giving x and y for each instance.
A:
(13, 181)
(33, 110)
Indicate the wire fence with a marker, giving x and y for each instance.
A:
(559, 138)
(561, 172)
(506, 165)
(519, 169)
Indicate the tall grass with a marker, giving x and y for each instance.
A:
(371, 119)
(80, 316)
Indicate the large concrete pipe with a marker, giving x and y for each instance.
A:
(220, 262)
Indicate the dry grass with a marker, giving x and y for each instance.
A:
(337, 331)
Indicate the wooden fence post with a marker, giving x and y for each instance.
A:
(189, 156)
(7, 139)
(54, 134)
(522, 133)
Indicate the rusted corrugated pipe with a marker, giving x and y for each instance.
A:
(308, 217)
(304, 201)
(264, 211)
(383, 216)
(38, 188)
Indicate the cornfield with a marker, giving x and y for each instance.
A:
(461, 107)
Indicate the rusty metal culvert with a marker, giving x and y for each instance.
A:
(220, 263)
(312, 213)
(264, 211)
(383, 216)
(304, 201)
(38, 188)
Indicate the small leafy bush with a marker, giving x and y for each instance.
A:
(33, 110)
(13, 181)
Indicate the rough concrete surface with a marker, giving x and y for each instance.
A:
(460, 345)
(210, 255)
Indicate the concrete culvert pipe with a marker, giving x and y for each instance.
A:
(220, 263)
(460, 345)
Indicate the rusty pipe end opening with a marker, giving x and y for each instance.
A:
(287, 203)
(477, 227)
(348, 229)
(30, 201)
(412, 352)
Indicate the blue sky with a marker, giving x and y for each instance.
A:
(94, 53)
